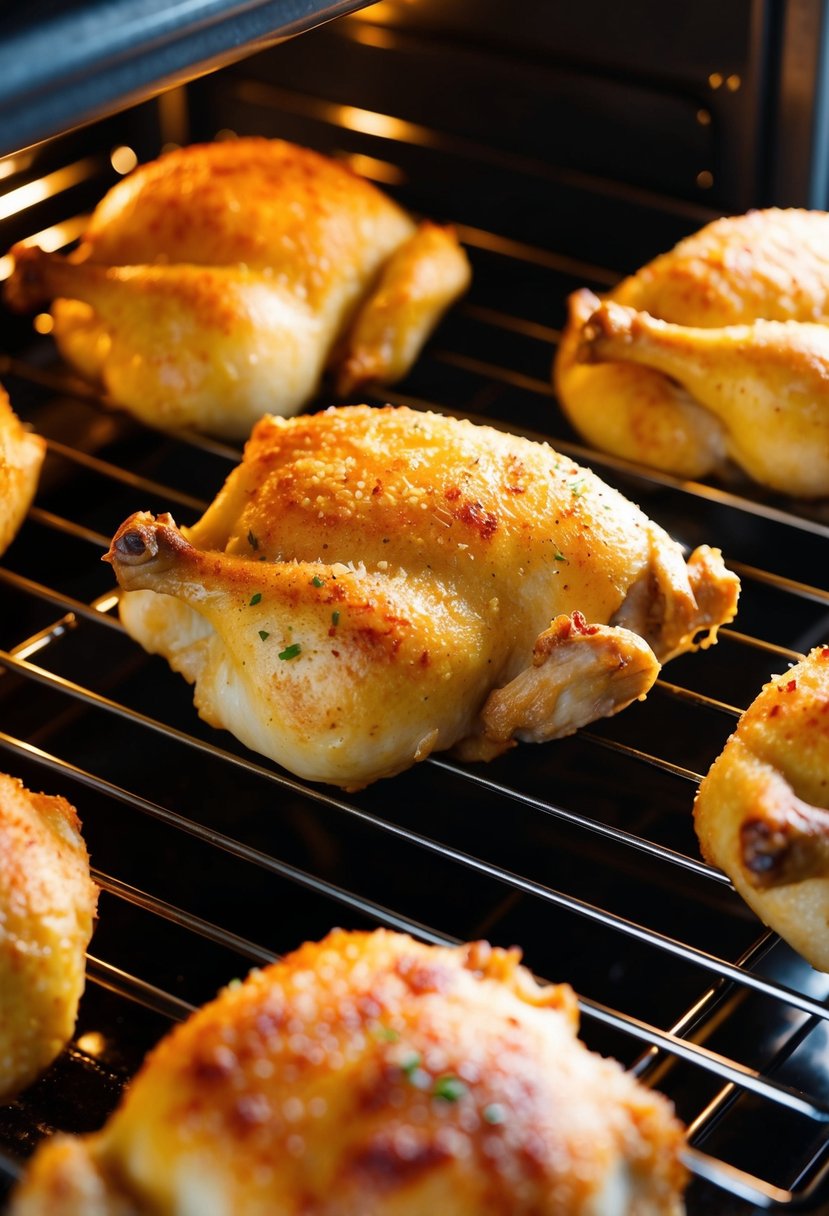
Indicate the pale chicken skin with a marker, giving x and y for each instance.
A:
(373, 585)
(715, 352)
(219, 283)
(762, 812)
(371, 1074)
(47, 907)
(21, 459)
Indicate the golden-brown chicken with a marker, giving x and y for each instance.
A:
(218, 283)
(47, 905)
(741, 369)
(21, 458)
(762, 812)
(374, 585)
(369, 1074)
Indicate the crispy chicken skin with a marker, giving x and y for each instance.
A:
(47, 906)
(715, 351)
(217, 284)
(372, 585)
(369, 1074)
(762, 812)
(21, 458)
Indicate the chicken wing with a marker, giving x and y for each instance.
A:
(371, 586)
(21, 458)
(746, 305)
(762, 812)
(47, 905)
(371, 1074)
(220, 281)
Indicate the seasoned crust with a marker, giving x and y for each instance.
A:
(47, 906)
(369, 1073)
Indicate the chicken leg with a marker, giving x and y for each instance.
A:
(767, 383)
(372, 585)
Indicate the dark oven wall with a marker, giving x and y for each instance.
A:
(567, 144)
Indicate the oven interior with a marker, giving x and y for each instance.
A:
(566, 154)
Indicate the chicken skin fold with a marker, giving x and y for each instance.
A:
(762, 811)
(373, 585)
(47, 907)
(222, 280)
(370, 1074)
(716, 351)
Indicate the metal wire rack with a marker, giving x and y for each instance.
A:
(211, 860)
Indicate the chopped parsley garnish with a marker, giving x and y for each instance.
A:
(291, 652)
(335, 617)
(256, 598)
(252, 540)
(263, 633)
(386, 1034)
(577, 488)
(558, 556)
(316, 581)
(494, 1113)
(449, 1088)
(410, 1063)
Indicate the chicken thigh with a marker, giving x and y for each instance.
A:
(21, 458)
(371, 1074)
(762, 812)
(220, 281)
(739, 370)
(47, 906)
(374, 585)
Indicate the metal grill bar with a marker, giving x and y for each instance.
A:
(668, 1052)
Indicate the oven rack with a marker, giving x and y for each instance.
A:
(211, 859)
(657, 1050)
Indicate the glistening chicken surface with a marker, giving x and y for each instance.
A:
(373, 585)
(762, 811)
(717, 350)
(47, 906)
(222, 280)
(369, 1073)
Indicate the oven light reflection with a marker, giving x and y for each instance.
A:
(17, 163)
(46, 187)
(123, 159)
(92, 1043)
(367, 122)
(374, 169)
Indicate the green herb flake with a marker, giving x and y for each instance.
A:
(494, 1113)
(263, 633)
(449, 1088)
(335, 617)
(291, 652)
(316, 581)
(253, 541)
(255, 599)
(410, 1063)
(577, 488)
(558, 556)
(386, 1034)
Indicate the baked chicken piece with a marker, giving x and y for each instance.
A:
(762, 812)
(47, 906)
(716, 350)
(371, 1074)
(220, 281)
(372, 585)
(21, 458)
